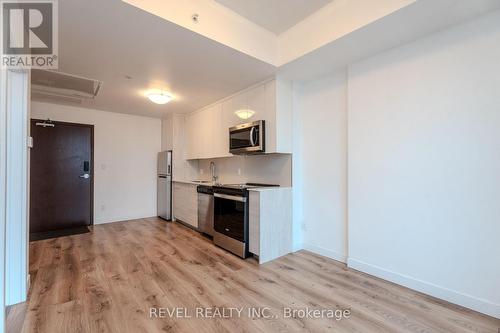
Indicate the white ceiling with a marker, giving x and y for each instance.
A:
(109, 40)
(276, 16)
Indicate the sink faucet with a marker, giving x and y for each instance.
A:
(214, 177)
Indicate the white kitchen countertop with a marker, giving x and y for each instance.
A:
(190, 182)
(258, 189)
(272, 188)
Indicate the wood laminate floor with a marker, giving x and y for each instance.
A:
(107, 281)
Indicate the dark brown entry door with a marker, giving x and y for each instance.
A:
(61, 178)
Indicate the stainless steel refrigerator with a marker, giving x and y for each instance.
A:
(164, 185)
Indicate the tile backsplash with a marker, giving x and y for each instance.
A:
(269, 169)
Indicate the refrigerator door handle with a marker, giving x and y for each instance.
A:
(164, 181)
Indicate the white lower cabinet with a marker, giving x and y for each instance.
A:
(186, 203)
(270, 223)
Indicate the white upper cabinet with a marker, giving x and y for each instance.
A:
(205, 133)
(206, 137)
(279, 118)
(257, 102)
(174, 137)
(237, 102)
(167, 133)
(190, 137)
(193, 136)
(208, 129)
(253, 100)
(221, 132)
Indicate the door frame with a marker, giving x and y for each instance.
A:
(3, 194)
(91, 157)
(16, 108)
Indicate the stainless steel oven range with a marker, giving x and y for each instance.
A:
(231, 217)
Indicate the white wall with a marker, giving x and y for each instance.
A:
(423, 158)
(424, 161)
(125, 152)
(268, 169)
(321, 165)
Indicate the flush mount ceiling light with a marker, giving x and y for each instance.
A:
(159, 97)
(244, 114)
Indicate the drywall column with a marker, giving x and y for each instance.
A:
(17, 132)
(297, 171)
(320, 165)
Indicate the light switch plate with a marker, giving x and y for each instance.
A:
(30, 142)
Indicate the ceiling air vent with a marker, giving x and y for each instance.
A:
(50, 83)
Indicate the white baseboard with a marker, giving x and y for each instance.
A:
(452, 296)
(325, 252)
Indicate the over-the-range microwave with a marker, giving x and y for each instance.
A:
(248, 138)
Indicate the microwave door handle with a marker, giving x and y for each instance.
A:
(252, 142)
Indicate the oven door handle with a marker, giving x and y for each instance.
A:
(230, 197)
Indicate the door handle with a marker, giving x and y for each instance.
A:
(85, 176)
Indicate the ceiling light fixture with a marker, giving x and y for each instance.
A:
(159, 97)
(244, 113)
